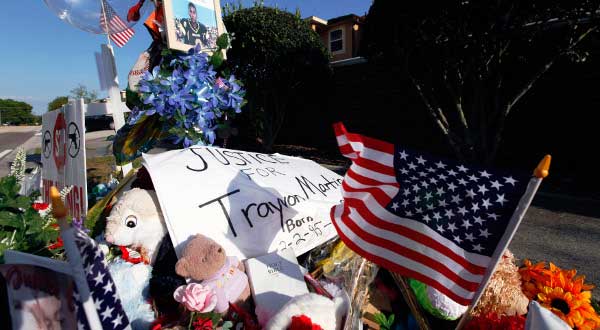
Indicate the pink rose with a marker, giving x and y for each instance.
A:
(196, 297)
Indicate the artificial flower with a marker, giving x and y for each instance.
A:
(203, 324)
(188, 95)
(196, 297)
(492, 321)
(574, 309)
(303, 322)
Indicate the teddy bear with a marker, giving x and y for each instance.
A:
(204, 260)
(136, 221)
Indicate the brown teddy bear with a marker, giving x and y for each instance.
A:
(205, 260)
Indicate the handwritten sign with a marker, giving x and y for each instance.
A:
(250, 203)
(63, 155)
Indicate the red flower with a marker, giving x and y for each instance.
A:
(58, 244)
(39, 206)
(303, 322)
(492, 321)
(203, 324)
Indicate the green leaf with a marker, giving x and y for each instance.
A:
(10, 219)
(223, 41)
(216, 59)
(380, 318)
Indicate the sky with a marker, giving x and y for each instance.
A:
(42, 57)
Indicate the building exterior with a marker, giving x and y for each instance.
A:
(341, 35)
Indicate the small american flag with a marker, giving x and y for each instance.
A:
(117, 29)
(431, 219)
(103, 292)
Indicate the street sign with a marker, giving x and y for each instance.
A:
(63, 155)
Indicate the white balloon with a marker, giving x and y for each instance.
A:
(87, 14)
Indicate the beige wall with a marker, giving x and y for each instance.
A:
(347, 32)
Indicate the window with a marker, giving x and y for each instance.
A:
(336, 41)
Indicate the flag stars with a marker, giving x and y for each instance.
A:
(98, 303)
(428, 195)
(462, 181)
(395, 206)
(456, 199)
(430, 169)
(442, 177)
(408, 213)
(107, 314)
(439, 191)
(414, 178)
(469, 237)
(417, 199)
(482, 189)
(420, 160)
(466, 224)
(99, 278)
(108, 287)
(405, 203)
(457, 239)
(472, 177)
(426, 218)
(415, 187)
(437, 216)
(475, 207)
(470, 194)
(403, 155)
(440, 164)
(477, 247)
(484, 233)
(486, 203)
(452, 186)
(501, 199)
(425, 184)
(440, 229)
(485, 174)
(461, 168)
(449, 213)
(406, 192)
(462, 210)
(510, 180)
(117, 321)
(404, 171)
(430, 206)
(479, 220)
(422, 174)
(433, 180)
(412, 166)
(452, 172)
(493, 216)
(443, 203)
(452, 227)
(496, 184)
(419, 210)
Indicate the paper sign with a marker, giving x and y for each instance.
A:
(63, 155)
(250, 203)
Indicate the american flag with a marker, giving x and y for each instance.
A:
(431, 219)
(117, 29)
(103, 292)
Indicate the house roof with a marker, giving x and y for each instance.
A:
(350, 17)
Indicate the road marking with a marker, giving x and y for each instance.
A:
(5, 152)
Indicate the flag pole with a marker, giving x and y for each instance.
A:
(411, 300)
(540, 172)
(106, 29)
(59, 211)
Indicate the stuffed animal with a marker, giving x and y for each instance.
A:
(503, 294)
(205, 260)
(137, 222)
(311, 311)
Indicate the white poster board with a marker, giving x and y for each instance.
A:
(63, 155)
(250, 203)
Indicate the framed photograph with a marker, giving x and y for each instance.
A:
(193, 22)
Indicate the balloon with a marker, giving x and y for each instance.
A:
(86, 14)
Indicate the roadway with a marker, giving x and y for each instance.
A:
(11, 137)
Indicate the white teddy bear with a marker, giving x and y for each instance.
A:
(137, 222)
